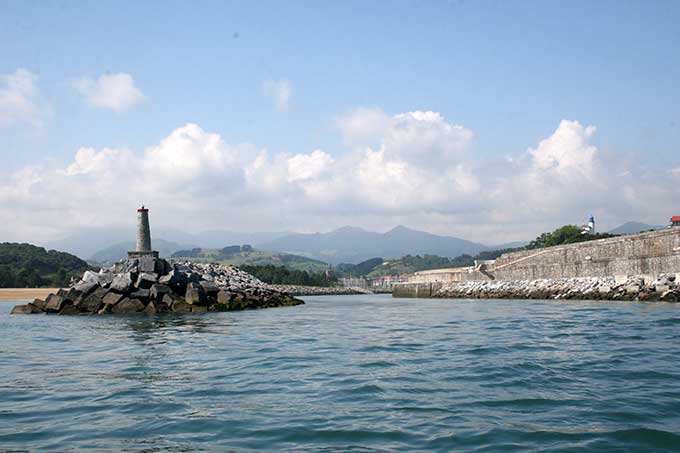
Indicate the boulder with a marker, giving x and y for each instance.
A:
(158, 291)
(105, 278)
(69, 310)
(670, 296)
(162, 267)
(73, 294)
(169, 299)
(176, 280)
(195, 294)
(180, 306)
(90, 276)
(151, 309)
(146, 280)
(210, 288)
(661, 288)
(85, 287)
(112, 298)
(128, 305)
(142, 294)
(633, 289)
(54, 303)
(224, 297)
(25, 310)
(199, 309)
(39, 303)
(121, 283)
(92, 302)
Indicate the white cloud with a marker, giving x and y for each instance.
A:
(110, 91)
(567, 149)
(419, 171)
(19, 99)
(308, 166)
(363, 126)
(280, 91)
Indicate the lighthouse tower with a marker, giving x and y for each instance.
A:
(143, 247)
(589, 228)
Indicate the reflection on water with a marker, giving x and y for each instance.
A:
(347, 373)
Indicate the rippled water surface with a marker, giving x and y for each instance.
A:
(347, 373)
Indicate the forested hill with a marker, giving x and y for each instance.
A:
(29, 266)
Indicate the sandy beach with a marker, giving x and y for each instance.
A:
(25, 293)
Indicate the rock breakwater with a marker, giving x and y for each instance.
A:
(151, 285)
(297, 290)
(663, 288)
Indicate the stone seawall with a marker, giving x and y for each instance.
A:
(644, 254)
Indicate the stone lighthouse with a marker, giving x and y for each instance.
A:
(143, 247)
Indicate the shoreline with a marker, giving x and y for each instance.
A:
(7, 294)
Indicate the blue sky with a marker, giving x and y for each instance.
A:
(507, 71)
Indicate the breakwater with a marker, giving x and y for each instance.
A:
(664, 288)
(151, 285)
(645, 257)
(299, 290)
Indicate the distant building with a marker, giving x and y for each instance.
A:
(675, 220)
(589, 228)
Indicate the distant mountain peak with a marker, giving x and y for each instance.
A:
(634, 227)
(400, 229)
(348, 229)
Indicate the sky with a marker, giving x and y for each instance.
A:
(488, 120)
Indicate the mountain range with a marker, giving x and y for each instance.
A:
(353, 245)
(347, 244)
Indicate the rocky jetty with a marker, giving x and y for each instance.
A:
(297, 290)
(663, 288)
(151, 285)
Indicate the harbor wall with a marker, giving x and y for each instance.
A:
(644, 254)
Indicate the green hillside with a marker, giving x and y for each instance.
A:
(280, 275)
(377, 267)
(247, 256)
(29, 266)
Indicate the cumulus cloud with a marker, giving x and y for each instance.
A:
(363, 126)
(419, 170)
(19, 99)
(116, 92)
(280, 91)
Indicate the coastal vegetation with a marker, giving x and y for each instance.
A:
(29, 266)
(567, 234)
(408, 264)
(246, 255)
(280, 275)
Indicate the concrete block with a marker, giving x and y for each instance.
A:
(620, 279)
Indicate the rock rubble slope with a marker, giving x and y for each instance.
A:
(663, 288)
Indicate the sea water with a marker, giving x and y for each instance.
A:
(347, 373)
